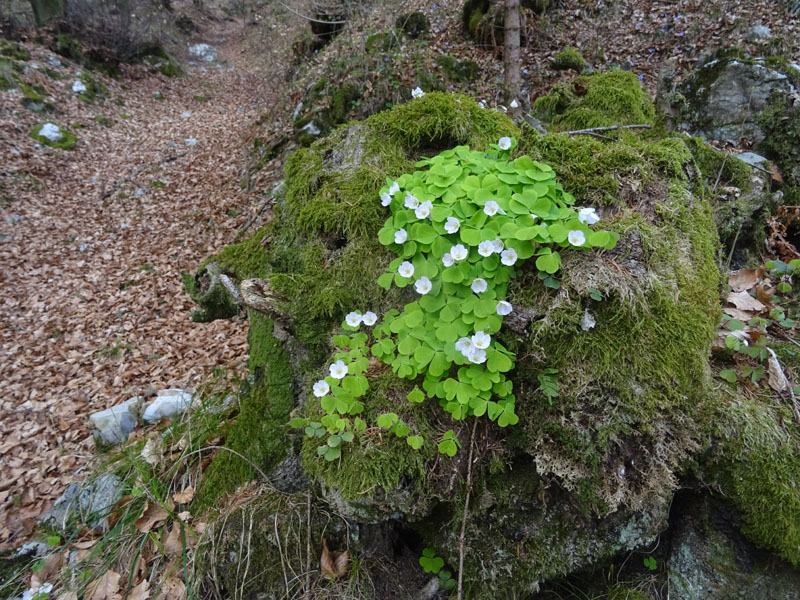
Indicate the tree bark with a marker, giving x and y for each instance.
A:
(45, 11)
(511, 52)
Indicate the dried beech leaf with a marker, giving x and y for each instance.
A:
(151, 453)
(185, 496)
(174, 589)
(744, 301)
(104, 588)
(153, 515)
(738, 314)
(139, 570)
(333, 564)
(775, 375)
(744, 279)
(173, 544)
(140, 591)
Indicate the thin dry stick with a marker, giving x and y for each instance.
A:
(592, 130)
(308, 544)
(722, 168)
(462, 539)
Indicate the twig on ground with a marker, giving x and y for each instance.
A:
(721, 169)
(593, 130)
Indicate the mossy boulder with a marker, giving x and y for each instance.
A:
(322, 107)
(588, 472)
(56, 137)
(569, 58)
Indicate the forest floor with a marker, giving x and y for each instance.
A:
(94, 241)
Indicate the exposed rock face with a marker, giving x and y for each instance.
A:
(115, 424)
(88, 503)
(725, 97)
(204, 52)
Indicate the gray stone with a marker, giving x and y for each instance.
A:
(190, 141)
(51, 131)
(759, 33)
(751, 158)
(186, 115)
(87, 503)
(53, 61)
(204, 52)
(78, 87)
(13, 219)
(168, 404)
(114, 425)
(724, 98)
(31, 549)
(710, 560)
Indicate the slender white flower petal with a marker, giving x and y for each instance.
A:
(423, 211)
(481, 340)
(353, 319)
(458, 252)
(423, 285)
(486, 248)
(504, 143)
(394, 188)
(411, 201)
(448, 260)
(491, 208)
(406, 269)
(464, 345)
(504, 308)
(400, 236)
(576, 238)
(369, 319)
(386, 199)
(588, 216)
(497, 245)
(479, 285)
(321, 388)
(452, 225)
(338, 370)
(417, 92)
(477, 356)
(514, 104)
(508, 257)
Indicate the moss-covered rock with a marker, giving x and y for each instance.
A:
(324, 106)
(568, 58)
(58, 137)
(590, 469)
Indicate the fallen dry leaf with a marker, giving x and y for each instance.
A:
(139, 570)
(151, 453)
(153, 515)
(104, 588)
(185, 496)
(775, 375)
(174, 589)
(738, 314)
(744, 301)
(744, 279)
(173, 544)
(185, 516)
(333, 564)
(50, 567)
(140, 592)
(64, 595)
(84, 545)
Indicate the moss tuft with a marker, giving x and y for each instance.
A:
(758, 467)
(597, 100)
(568, 58)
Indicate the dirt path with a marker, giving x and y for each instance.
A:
(94, 241)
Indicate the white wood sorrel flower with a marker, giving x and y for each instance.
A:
(477, 356)
(576, 238)
(411, 201)
(423, 211)
(491, 208)
(400, 236)
(386, 199)
(406, 269)
(452, 225)
(394, 188)
(321, 388)
(353, 319)
(458, 252)
(497, 245)
(504, 308)
(465, 346)
(369, 319)
(486, 248)
(588, 216)
(423, 285)
(479, 285)
(448, 260)
(481, 340)
(417, 92)
(504, 142)
(508, 257)
(338, 370)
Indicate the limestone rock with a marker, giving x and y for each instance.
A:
(759, 33)
(88, 502)
(51, 131)
(168, 404)
(204, 52)
(114, 425)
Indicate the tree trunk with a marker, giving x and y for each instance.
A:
(511, 52)
(45, 11)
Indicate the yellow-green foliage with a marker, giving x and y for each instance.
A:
(760, 462)
(597, 100)
(568, 58)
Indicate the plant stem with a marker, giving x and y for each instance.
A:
(462, 540)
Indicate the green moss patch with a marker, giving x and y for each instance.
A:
(568, 58)
(597, 100)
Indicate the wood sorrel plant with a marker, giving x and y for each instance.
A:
(460, 230)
